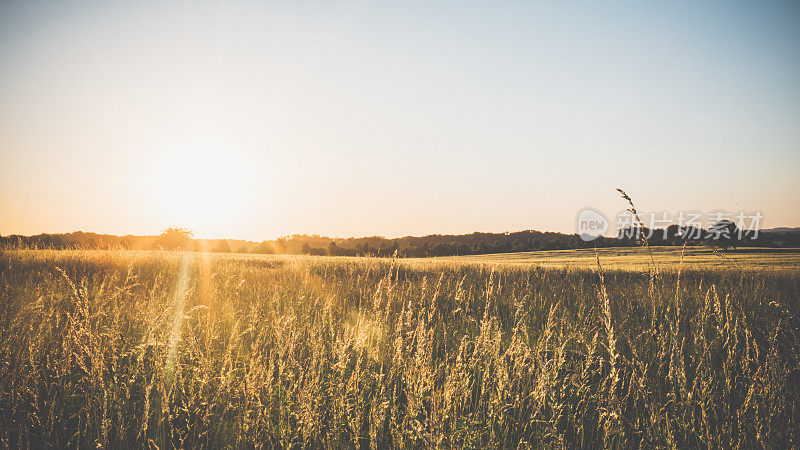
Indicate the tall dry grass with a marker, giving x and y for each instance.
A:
(101, 349)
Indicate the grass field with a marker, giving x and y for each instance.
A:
(638, 258)
(134, 349)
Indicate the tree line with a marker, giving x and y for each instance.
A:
(722, 235)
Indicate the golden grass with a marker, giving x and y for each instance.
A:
(637, 258)
(133, 349)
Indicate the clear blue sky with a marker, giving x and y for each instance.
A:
(257, 119)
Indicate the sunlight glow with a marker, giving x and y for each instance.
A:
(202, 189)
(177, 322)
(255, 120)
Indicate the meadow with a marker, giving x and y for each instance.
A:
(559, 349)
(636, 258)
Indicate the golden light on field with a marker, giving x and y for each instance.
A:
(200, 188)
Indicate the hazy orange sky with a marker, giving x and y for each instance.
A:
(254, 120)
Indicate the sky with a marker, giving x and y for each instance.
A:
(260, 119)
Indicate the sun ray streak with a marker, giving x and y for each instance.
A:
(177, 322)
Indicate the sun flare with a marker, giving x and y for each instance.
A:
(200, 190)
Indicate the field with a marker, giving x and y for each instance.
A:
(543, 349)
(637, 258)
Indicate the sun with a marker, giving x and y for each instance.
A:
(203, 189)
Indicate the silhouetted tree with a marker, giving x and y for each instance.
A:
(723, 234)
(264, 247)
(175, 238)
(223, 247)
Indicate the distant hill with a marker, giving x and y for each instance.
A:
(782, 230)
